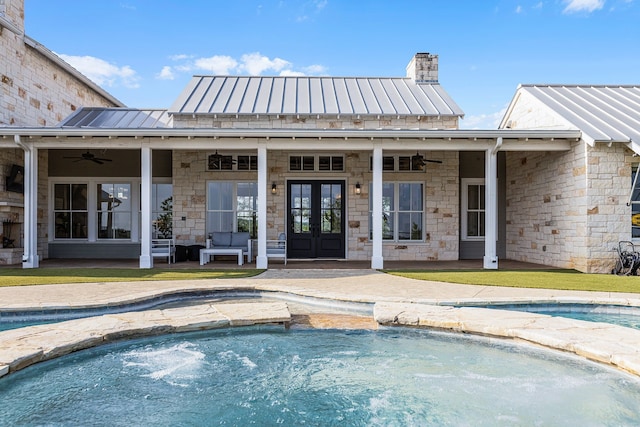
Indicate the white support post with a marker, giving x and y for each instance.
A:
(261, 259)
(30, 257)
(377, 260)
(146, 188)
(490, 261)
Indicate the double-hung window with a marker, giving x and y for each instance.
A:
(473, 208)
(232, 206)
(402, 211)
(114, 210)
(70, 211)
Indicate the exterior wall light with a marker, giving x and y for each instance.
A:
(358, 188)
(274, 188)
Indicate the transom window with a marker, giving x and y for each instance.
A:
(316, 163)
(232, 206)
(218, 162)
(398, 164)
(402, 211)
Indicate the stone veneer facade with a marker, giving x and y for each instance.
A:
(566, 209)
(441, 189)
(34, 91)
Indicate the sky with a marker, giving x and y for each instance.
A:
(144, 52)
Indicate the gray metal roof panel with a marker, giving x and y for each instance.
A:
(117, 118)
(603, 113)
(313, 95)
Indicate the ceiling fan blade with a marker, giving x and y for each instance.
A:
(103, 159)
(97, 161)
(432, 161)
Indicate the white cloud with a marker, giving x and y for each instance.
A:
(518, 9)
(218, 64)
(102, 72)
(483, 121)
(256, 64)
(574, 6)
(166, 73)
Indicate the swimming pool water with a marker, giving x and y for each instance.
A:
(269, 376)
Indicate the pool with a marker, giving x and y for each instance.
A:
(271, 376)
(627, 316)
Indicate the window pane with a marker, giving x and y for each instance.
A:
(337, 163)
(295, 163)
(635, 206)
(472, 197)
(388, 164)
(63, 225)
(404, 163)
(308, 163)
(472, 224)
(79, 220)
(79, 200)
(220, 196)
(61, 195)
(324, 163)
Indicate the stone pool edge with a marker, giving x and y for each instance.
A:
(609, 344)
(23, 347)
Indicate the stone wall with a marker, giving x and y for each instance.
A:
(34, 91)
(441, 198)
(313, 122)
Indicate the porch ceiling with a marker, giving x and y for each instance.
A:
(300, 139)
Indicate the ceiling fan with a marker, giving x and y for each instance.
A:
(217, 160)
(418, 162)
(90, 157)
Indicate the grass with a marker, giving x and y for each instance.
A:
(547, 279)
(50, 276)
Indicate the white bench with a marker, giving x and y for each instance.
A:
(208, 253)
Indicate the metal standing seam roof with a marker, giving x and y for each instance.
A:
(118, 118)
(358, 96)
(602, 113)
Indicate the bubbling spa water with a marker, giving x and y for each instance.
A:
(269, 376)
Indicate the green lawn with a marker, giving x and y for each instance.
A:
(44, 276)
(547, 279)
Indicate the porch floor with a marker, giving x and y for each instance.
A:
(231, 263)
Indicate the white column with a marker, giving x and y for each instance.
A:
(377, 261)
(146, 180)
(491, 208)
(30, 257)
(261, 259)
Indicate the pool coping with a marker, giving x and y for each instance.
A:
(395, 302)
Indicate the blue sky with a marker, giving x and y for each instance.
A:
(145, 51)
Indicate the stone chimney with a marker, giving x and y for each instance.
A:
(423, 68)
(12, 16)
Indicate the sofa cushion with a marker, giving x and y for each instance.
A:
(240, 239)
(221, 238)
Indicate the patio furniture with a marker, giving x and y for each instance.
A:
(231, 240)
(207, 253)
(278, 248)
(163, 248)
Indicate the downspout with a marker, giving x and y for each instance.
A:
(30, 254)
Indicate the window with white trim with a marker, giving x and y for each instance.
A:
(70, 211)
(473, 208)
(402, 211)
(232, 206)
(114, 210)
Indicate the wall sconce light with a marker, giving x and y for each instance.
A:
(358, 188)
(274, 188)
